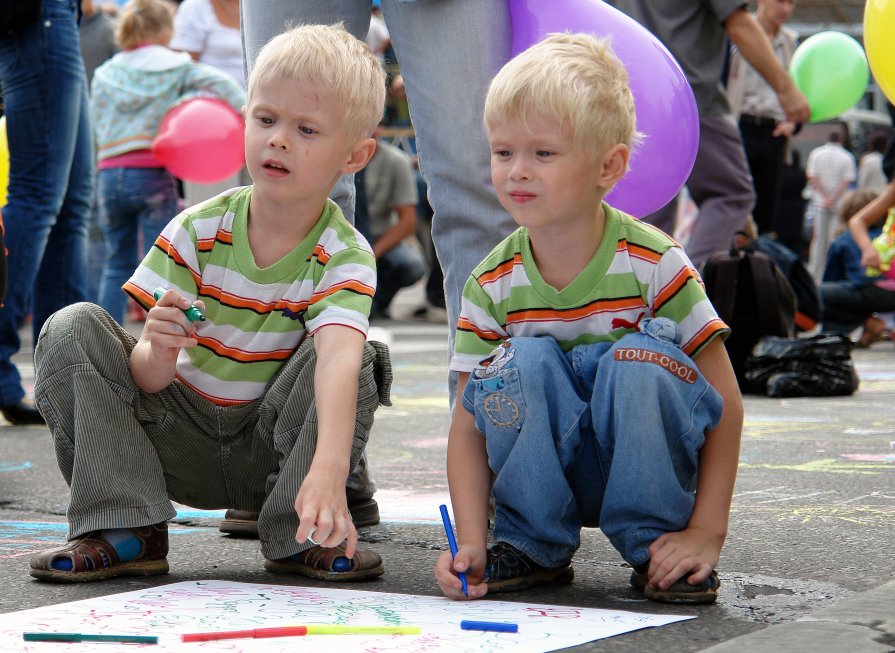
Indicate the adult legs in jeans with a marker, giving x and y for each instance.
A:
(720, 185)
(448, 52)
(50, 178)
(600, 457)
(398, 268)
(135, 204)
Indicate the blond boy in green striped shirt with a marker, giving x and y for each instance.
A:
(266, 404)
(594, 381)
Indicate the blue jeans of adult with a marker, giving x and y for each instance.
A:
(50, 177)
(135, 204)
(399, 267)
(605, 434)
(448, 51)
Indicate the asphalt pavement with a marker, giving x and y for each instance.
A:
(808, 564)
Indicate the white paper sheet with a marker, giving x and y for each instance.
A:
(214, 605)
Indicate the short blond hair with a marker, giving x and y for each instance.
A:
(143, 21)
(575, 78)
(329, 56)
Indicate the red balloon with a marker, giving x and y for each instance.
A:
(201, 140)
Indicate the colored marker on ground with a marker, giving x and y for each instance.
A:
(255, 633)
(493, 626)
(82, 637)
(293, 631)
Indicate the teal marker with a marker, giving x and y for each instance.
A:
(80, 637)
(193, 314)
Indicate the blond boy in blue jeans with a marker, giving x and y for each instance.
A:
(609, 399)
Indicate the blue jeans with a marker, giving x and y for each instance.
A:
(135, 204)
(399, 267)
(50, 177)
(449, 50)
(606, 434)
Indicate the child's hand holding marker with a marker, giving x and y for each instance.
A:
(193, 312)
(170, 324)
(455, 570)
(168, 329)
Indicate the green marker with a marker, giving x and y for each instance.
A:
(193, 314)
(80, 637)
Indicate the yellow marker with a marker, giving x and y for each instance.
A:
(322, 629)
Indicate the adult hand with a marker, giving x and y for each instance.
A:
(794, 104)
(785, 128)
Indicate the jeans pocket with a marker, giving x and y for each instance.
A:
(499, 404)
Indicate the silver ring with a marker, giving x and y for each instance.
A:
(311, 539)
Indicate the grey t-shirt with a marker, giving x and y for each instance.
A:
(389, 183)
(97, 41)
(693, 30)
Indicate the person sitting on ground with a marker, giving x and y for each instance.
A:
(852, 296)
(266, 404)
(391, 194)
(610, 399)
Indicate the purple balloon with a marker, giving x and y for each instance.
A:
(666, 109)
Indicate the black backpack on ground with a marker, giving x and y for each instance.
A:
(808, 302)
(754, 298)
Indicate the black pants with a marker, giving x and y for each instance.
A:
(765, 152)
(845, 309)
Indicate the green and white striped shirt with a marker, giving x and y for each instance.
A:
(255, 318)
(636, 272)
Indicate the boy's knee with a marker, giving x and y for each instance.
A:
(64, 323)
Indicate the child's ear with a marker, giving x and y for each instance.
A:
(615, 165)
(360, 155)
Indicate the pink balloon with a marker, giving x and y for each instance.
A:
(664, 101)
(201, 140)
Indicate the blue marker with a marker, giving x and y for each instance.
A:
(449, 531)
(494, 626)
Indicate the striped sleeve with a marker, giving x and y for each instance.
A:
(343, 295)
(677, 293)
(172, 262)
(479, 329)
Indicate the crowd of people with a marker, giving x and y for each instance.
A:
(253, 386)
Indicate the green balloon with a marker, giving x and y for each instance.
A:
(830, 68)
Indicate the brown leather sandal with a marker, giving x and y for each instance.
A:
(330, 564)
(93, 558)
